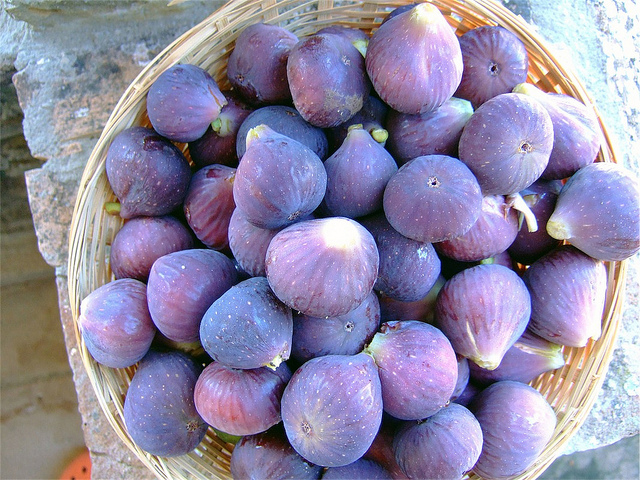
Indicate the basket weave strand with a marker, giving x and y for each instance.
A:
(570, 390)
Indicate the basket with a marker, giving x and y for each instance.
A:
(570, 390)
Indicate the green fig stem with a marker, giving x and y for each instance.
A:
(528, 89)
(516, 201)
(275, 363)
(112, 208)
(380, 135)
(222, 126)
(255, 133)
(558, 230)
(361, 45)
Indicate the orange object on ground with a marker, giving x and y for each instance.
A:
(79, 468)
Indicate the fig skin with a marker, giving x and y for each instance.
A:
(322, 267)
(464, 374)
(517, 423)
(159, 410)
(363, 468)
(577, 136)
(414, 60)
(278, 180)
(142, 240)
(507, 143)
(270, 455)
(248, 327)
(357, 174)
(432, 198)
(414, 384)
(444, 446)
(147, 173)
(209, 204)
(495, 61)
(433, 133)
(568, 293)
(332, 408)
(115, 323)
(598, 211)
(483, 310)
(240, 402)
(181, 287)
(529, 357)
(422, 310)
(183, 101)
(257, 66)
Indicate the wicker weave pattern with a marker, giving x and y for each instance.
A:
(570, 390)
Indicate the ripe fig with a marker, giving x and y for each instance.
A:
(483, 310)
(270, 455)
(372, 118)
(517, 423)
(278, 180)
(363, 469)
(432, 198)
(418, 368)
(598, 211)
(568, 293)
(495, 61)
(414, 60)
(507, 143)
(183, 101)
(576, 133)
(147, 173)
(464, 372)
(248, 327)
(159, 410)
(257, 66)
(142, 240)
(423, 309)
(115, 323)
(322, 267)
(444, 446)
(182, 286)
(332, 408)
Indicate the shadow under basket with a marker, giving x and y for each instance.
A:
(571, 390)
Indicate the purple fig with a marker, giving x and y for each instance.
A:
(372, 118)
(422, 309)
(414, 60)
(361, 469)
(483, 310)
(332, 408)
(568, 293)
(598, 211)
(464, 372)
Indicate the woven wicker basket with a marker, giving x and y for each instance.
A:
(570, 390)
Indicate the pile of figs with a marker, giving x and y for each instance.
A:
(353, 262)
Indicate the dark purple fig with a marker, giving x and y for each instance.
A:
(577, 136)
(398, 10)
(288, 122)
(327, 79)
(350, 33)
(115, 324)
(444, 446)
(361, 469)
(209, 204)
(493, 232)
(257, 66)
(408, 268)
(159, 410)
(323, 267)
(240, 402)
(528, 246)
(147, 173)
(418, 368)
(507, 142)
(598, 211)
(278, 180)
(371, 116)
(381, 450)
(357, 174)
(218, 144)
(495, 61)
(468, 394)
(182, 285)
(517, 423)
(432, 198)
(423, 309)
(342, 335)
(270, 455)
(332, 408)
(568, 293)
(434, 132)
(529, 357)
(183, 101)
(249, 243)
(483, 310)
(414, 60)
(464, 372)
(142, 240)
(450, 266)
(248, 327)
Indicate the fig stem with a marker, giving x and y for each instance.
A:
(380, 135)
(361, 45)
(112, 208)
(557, 230)
(516, 201)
